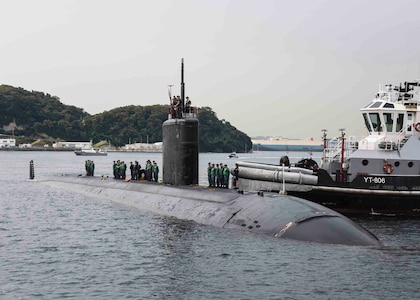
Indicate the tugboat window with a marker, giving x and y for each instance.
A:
(410, 164)
(400, 122)
(388, 105)
(397, 163)
(376, 122)
(409, 118)
(376, 104)
(367, 124)
(388, 121)
(365, 162)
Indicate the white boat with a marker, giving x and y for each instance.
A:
(233, 155)
(90, 152)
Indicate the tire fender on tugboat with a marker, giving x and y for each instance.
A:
(417, 127)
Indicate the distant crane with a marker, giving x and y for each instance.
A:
(11, 127)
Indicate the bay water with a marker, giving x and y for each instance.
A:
(57, 244)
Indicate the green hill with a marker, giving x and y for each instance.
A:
(35, 115)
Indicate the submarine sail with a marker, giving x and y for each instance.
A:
(180, 143)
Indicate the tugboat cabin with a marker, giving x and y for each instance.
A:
(392, 145)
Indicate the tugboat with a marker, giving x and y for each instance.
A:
(378, 175)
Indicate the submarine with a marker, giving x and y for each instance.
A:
(179, 195)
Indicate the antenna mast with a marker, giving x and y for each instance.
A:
(182, 86)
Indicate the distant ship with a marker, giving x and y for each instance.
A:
(284, 144)
(90, 152)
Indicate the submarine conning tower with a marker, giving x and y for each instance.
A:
(180, 142)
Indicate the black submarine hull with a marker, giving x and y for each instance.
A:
(274, 215)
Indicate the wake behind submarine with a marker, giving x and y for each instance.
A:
(271, 214)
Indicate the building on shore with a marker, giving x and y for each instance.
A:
(6, 142)
(72, 145)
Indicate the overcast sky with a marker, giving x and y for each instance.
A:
(282, 68)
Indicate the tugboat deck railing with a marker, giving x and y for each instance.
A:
(333, 150)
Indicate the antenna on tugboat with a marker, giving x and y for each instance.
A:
(342, 154)
(324, 137)
(324, 132)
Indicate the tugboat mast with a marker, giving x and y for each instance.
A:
(343, 148)
(324, 138)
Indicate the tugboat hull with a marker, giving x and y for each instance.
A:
(363, 202)
(378, 194)
(385, 195)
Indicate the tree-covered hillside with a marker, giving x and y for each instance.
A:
(128, 124)
(220, 136)
(35, 115)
